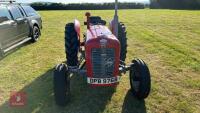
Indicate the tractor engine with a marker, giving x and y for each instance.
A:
(102, 53)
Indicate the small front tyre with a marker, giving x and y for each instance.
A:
(140, 79)
(61, 85)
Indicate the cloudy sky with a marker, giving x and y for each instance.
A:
(80, 1)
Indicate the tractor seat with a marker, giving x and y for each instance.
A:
(96, 20)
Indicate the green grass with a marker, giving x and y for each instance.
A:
(168, 40)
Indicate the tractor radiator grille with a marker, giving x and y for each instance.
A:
(103, 60)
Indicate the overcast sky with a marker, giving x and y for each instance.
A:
(80, 1)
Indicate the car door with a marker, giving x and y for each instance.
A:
(21, 23)
(25, 26)
(8, 29)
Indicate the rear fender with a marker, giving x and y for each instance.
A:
(77, 27)
(111, 26)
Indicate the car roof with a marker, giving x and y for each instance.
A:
(7, 4)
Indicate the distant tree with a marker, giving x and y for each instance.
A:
(175, 4)
(85, 6)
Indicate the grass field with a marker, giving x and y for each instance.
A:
(168, 40)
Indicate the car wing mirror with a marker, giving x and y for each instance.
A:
(20, 20)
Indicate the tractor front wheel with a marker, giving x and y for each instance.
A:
(140, 80)
(61, 85)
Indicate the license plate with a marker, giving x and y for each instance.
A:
(103, 80)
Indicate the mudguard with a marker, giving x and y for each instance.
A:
(32, 23)
(77, 27)
(111, 26)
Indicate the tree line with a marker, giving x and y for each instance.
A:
(85, 6)
(175, 4)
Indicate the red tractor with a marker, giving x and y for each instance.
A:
(100, 57)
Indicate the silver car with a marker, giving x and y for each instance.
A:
(18, 24)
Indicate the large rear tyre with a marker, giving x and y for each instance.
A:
(140, 80)
(123, 40)
(61, 85)
(71, 45)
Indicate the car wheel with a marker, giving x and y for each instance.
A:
(35, 34)
(1, 53)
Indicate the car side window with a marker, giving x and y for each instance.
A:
(15, 11)
(4, 15)
(29, 10)
(22, 11)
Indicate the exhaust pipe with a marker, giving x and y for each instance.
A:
(116, 19)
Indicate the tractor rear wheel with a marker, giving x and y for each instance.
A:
(61, 85)
(140, 79)
(71, 45)
(123, 40)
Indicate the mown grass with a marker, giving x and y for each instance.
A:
(168, 40)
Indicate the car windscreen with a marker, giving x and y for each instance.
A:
(29, 10)
(4, 15)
